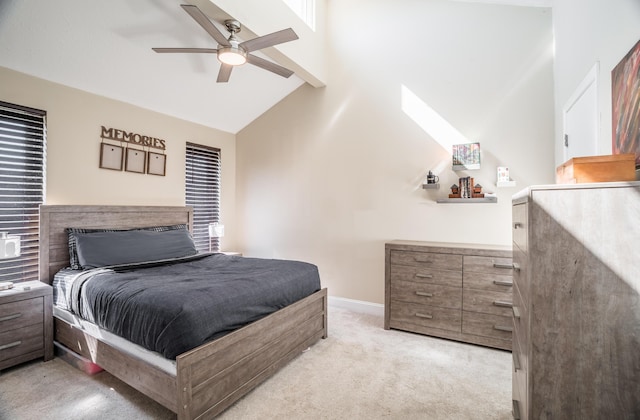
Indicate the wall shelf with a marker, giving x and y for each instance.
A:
(502, 184)
(431, 186)
(467, 200)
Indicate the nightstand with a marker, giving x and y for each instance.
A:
(26, 323)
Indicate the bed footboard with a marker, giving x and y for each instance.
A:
(213, 376)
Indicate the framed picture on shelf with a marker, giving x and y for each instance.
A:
(111, 156)
(466, 156)
(156, 163)
(135, 160)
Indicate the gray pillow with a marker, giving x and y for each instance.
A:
(99, 249)
(73, 252)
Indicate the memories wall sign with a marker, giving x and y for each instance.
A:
(120, 149)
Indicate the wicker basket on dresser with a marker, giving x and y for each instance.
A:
(456, 291)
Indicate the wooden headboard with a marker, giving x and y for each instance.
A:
(54, 243)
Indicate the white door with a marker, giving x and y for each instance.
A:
(581, 119)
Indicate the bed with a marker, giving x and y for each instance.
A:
(203, 381)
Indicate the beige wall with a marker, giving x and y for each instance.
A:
(74, 119)
(328, 175)
(590, 32)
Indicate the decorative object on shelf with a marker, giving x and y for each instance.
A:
(455, 191)
(468, 192)
(9, 245)
(625, 86)
(503, 174)
(466, 156)
(216, 230)
(432, 179)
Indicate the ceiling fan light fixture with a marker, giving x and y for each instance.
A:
(233, 56)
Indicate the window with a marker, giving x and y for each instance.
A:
(203, 193)
(22, 170)
(305, 9)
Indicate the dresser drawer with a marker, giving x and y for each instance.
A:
(18, 342)
(520, 319)
(427, 260)
(404, 314)
(428, 294)
(520, 278)
(519, 226)
(488, 302)
(489, 265)
(19, 314)
(426, 275)
(519, 378)
(487, 325)
(483, 281)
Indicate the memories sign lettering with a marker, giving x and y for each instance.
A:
(135, 138)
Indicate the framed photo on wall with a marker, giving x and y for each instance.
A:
(156, 163)
(135, 160)
(111, 156)
(466, 156)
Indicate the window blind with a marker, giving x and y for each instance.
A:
(203, 193)
(22, 171)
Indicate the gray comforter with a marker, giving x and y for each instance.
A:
(174, 306)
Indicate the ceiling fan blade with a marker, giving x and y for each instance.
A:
(206, 24)
(270, 40)
(268, 65)
(186, 50)
(224, 73)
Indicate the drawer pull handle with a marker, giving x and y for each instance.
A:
(9, 317)
(518, 225)
(8, 346)
(422, 261)
(502, 283)
(427, 316)
(424, 276)
(427, 294)
(516, 312)
(516, 410)
(516, 266)
(502, 328)
(499, 265)
(516, 361)
(502, 303)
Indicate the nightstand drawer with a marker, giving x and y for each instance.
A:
(403, 315)
(18, 342)
(19, 314)
(428, 294)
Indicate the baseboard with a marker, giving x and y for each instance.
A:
(357, 305)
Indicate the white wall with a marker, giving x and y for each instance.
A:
(588, 32)
(328, 175)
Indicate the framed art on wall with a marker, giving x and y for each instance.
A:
(625, 90)
(111, 156)
(135, 160)
(156, 163)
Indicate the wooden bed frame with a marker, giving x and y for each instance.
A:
(209, 378)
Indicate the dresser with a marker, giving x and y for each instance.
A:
(457, 291)
(26, 323)
(576, 302)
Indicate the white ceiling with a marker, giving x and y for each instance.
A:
(104, 47)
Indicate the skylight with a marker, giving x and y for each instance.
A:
(305, 9)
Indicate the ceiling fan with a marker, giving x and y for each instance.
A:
(231, 52)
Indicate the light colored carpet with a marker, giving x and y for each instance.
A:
(360, 372)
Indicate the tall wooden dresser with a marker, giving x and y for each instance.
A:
(455, 291)
(576, 302)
